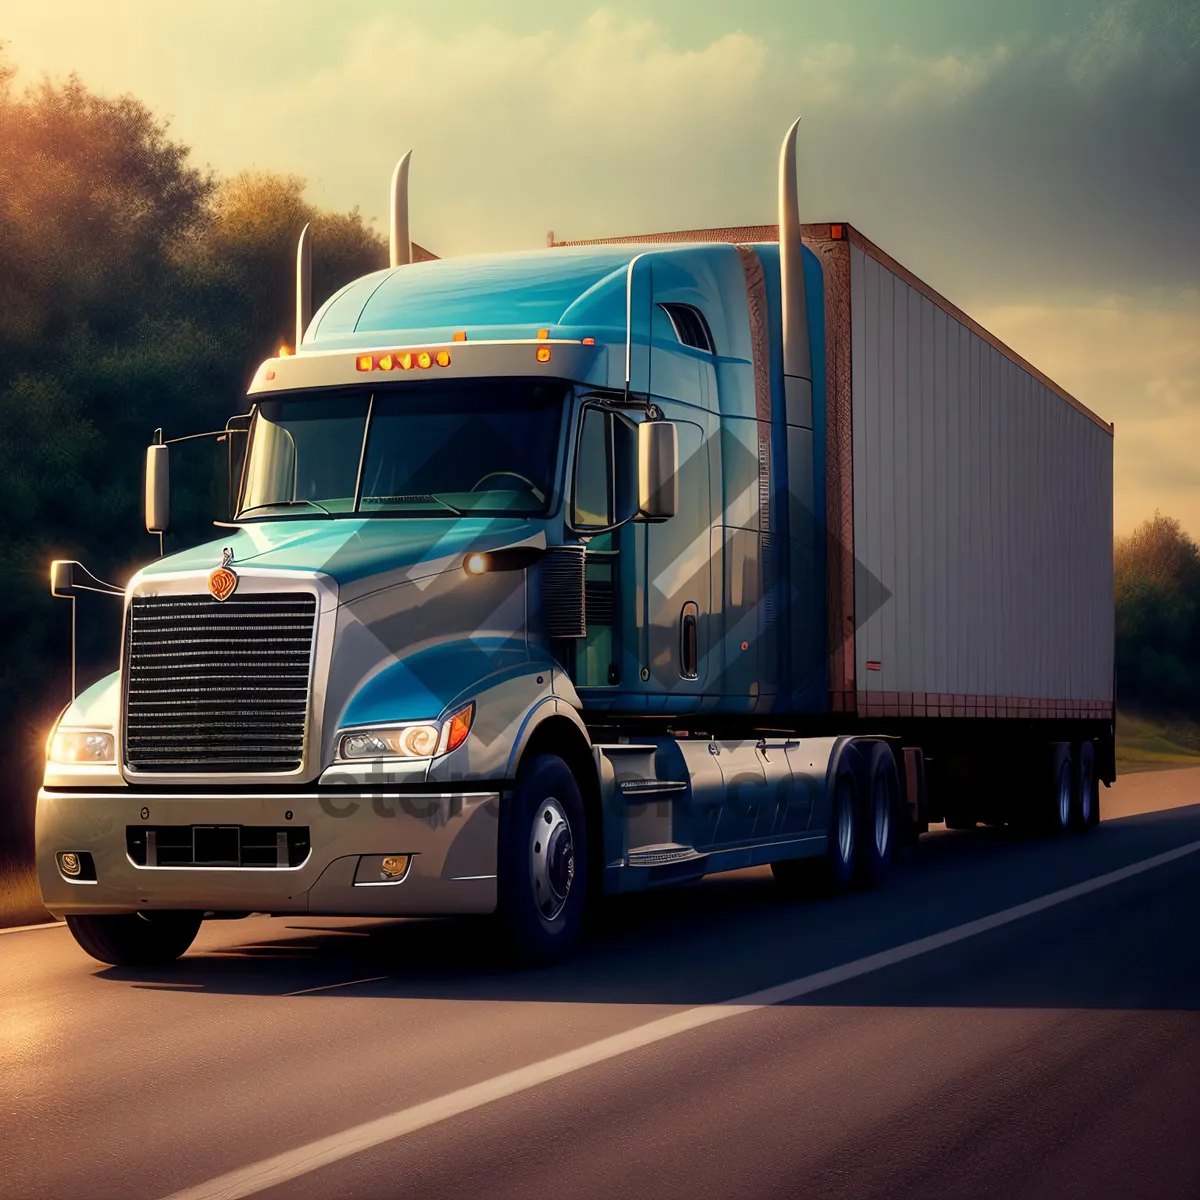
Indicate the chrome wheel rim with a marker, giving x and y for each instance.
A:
(883, 818)
(845, 829)
(1064, 795)
(551, 859)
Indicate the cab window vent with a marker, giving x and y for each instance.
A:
(690, 326)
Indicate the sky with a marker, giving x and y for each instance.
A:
(1036, 162)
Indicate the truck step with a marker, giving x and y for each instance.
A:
(637, 791)
(659, 856)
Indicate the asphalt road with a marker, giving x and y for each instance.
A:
(1044, 1053)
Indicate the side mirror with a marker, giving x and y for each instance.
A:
(68, 577)
(158, 489)
(658, 470)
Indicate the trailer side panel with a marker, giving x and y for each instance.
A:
(982, 519)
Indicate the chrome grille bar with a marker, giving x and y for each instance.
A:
(220, 686)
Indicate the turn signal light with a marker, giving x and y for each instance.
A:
(365, 362)
(458, 728)
(424, 359)
(443, 358)
(543, 354)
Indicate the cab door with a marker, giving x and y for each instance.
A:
(678, 574)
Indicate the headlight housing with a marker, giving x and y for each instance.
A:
(417, 739)
(73, 746)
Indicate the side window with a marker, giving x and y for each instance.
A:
(594, 471)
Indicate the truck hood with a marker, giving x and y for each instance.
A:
(357, 551)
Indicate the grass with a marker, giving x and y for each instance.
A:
(1156, 743)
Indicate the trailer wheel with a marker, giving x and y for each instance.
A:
(878, 815)
(1086, 801)
(542, 863)
(135, 939)
(1058, 801)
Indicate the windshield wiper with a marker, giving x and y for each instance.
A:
(284, 504)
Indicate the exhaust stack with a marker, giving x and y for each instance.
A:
(797, 353)
(303, 284)
(399, 245)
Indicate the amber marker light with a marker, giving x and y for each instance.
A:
(457, 728)
(385, 362)
(364, 362)
(394, 865)
(543, 354)
(405, 361)
(589, 341)
(475, 564)
(285, 350)
(543, 334)
(443, 358)
(461, 336)
(424, 359)
(837, 232)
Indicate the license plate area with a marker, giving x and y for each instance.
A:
(217, 845)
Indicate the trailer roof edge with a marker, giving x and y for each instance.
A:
(820, 231)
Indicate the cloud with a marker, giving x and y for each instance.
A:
(945, 80)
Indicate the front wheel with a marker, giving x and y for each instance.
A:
(135, 939)
(543, 863)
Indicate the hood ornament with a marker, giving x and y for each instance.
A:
(222, 583)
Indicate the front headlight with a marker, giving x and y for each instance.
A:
(82, 746)
(420, 740)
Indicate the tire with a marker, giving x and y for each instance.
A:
(135, 939)
(1058, 799)
(878, 815)
(1085, 808)
(834, 872)
(543, 860)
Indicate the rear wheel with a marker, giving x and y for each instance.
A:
(878, 815)
(135, 939)
(834, 871)
(1058, 799)
(543, 863)
(1086, 807)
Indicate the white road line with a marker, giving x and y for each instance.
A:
(30, 928)
(270, 1172)
(326, 987)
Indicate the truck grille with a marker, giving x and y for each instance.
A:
(218, 686)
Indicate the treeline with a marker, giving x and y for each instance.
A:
(1157, 580)
(136, 290)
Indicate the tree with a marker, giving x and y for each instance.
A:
(136, 291)
(1157, 584)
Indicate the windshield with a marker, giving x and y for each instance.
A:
(485, 448)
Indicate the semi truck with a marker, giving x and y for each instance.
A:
(594, 569)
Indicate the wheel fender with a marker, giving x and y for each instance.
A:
(546, 709)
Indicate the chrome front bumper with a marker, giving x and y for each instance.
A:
(452, 837)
